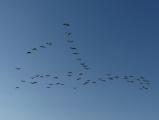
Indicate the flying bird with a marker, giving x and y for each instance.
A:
(87, 68)
(47, 75)
(42, 46)
(69, 41)
(49, 43)
(68, 33)
(28, 53)
(74, 88)
(34, 49)
(37, 75)
(66, 24)
(81, 74)
(17, 68)
(75, 53)
(72, 48)
(116, 77)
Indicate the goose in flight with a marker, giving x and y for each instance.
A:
(66, 24)
(75, 53)
(49, 43)
(28, 53)
(87, 68)
(17, 68)
(69, 41)
(68, 33)
(74, 88)
(72, 48)
(55, 77)
(34, 49)
(42, 46)
(108, 74)
(47, 75)
(37, 75)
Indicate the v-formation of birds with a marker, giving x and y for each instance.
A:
(143, 83)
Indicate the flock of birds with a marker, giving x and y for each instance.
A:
(35, 49)
(130, 79)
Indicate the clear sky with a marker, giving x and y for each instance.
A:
(117, 37)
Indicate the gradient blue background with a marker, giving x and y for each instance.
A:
(112, 36)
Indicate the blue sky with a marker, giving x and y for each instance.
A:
(116, 37)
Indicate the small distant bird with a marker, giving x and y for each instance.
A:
(87, 68)
(74, 88)
(116, 77)
(75, 53)
(17, 68)
(66, 24)
(47, 75)
(33, 82)
(72, 48)
(69, 41)
(42, 46)
(137, 79)
(82, 63)
(68, 33)
(108, 74)
(78, 78)
(34, 49)
(55, 77)
(81, 74)
(37, 75)
(28, 53)
(49, 43)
